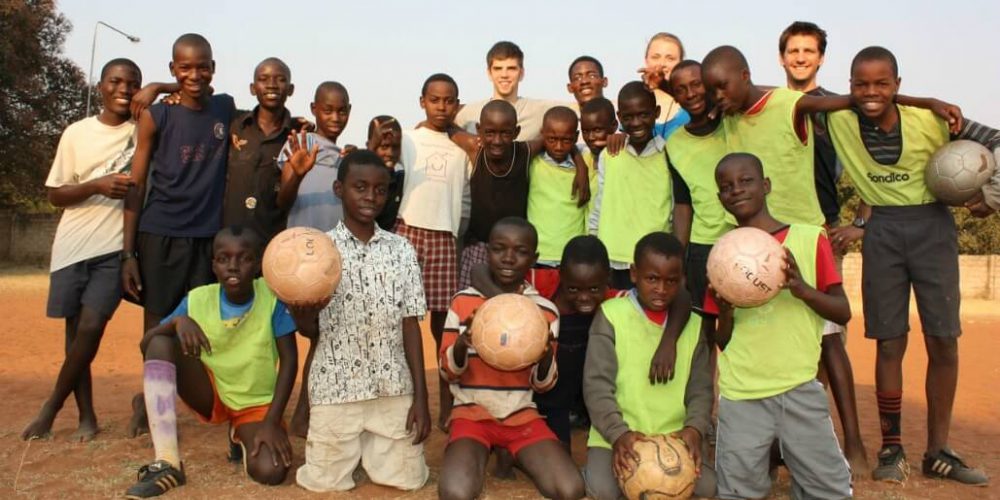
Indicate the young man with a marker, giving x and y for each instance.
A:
(586, 80)
(437, 181)
(633, 188)
(89, 177)
(494, 408)
(802, 49)
(305, 186)
(597, 123)
(367, 388)
(911, 241)
(505, 69)
(253, 176)
(770, 354)
(228, 351)
(167, 240)
(622, 404)
(693, 151)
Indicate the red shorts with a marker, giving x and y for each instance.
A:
(491, 433)
(222, 413)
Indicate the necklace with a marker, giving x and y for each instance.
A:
(486, 162)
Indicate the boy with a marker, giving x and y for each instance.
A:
(693, 151)
(167, 239)
(253, 176)
(773, 125)
(505, 69)
(597, 124)
(623, 406)
(586, 80)
(384, 138)
(367, 388)
(494, 408)
(802, 51)
(89, 177)
(228, 351)
(633, 189)
(770, 353)
(911, 241)
(437, 175)
(305, 183)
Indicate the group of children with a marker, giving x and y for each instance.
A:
(609, 239)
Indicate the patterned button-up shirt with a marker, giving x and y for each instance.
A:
(359, 355)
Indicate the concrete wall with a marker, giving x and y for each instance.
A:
(28, 239)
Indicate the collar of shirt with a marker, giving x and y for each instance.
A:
(869, 125)
(528, 290)
(249, 122)
(654, 146)
(567, 163)
(342, 233)
(658, 317)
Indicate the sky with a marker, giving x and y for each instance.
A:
(382, 51)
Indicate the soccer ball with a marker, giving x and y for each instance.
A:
(746, 267)
(665, 470)
(302, 264)
(958, 170)
(510, 332)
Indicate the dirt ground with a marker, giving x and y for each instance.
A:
(31, 350)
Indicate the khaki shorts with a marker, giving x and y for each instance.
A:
(372, 432)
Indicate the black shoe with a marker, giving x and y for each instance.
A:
(156, 479)
(946, 464)
(892, 465)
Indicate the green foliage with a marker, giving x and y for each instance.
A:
(43, 92)
(975, 236)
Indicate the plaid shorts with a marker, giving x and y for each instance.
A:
(437, 257)
(471, 255)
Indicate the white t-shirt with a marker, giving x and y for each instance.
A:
(529, 116)
(437, 175)
(89, 149)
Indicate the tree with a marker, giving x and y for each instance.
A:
(43, 92)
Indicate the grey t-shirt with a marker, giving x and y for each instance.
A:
(315, 205)
(529, 116)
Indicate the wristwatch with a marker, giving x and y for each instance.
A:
(128, 255)
(859, 222)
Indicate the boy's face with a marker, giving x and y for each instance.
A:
(235, 263)
(389, 148)
(742, 188)
(638, 115)
(332, 110)
(511, 253)
(596, 128)
(271, 86)
(727, 86)
(363, 192)
(497, 130)
(657, 279)
(689, 91)
(663, 55)
(440, 104)
(801, 58)
(583, 286)
(193, 68)
(874, 87)
(560, 137)
(117, 87)
(586, 82)
(505, 74)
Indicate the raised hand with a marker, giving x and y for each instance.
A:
(298, 154)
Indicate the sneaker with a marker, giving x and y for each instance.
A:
(892, 465)
(946, 464)
(156, 479)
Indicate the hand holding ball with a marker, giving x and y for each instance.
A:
(958, 170)
(510, 332)
(302, 266)
(746, 267)
(664, 470)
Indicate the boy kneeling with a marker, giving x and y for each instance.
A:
(493, 408)
(623, 405)
(228, 352)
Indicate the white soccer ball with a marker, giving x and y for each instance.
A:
(958, 170)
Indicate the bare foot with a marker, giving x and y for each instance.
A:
(139, 424)
(858, 462)
(86, 431)
(41, 426)
(300, 421)
(504, 466)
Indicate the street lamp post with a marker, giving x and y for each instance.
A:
(93, 48)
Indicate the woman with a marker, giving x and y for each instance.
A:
(663, 52)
